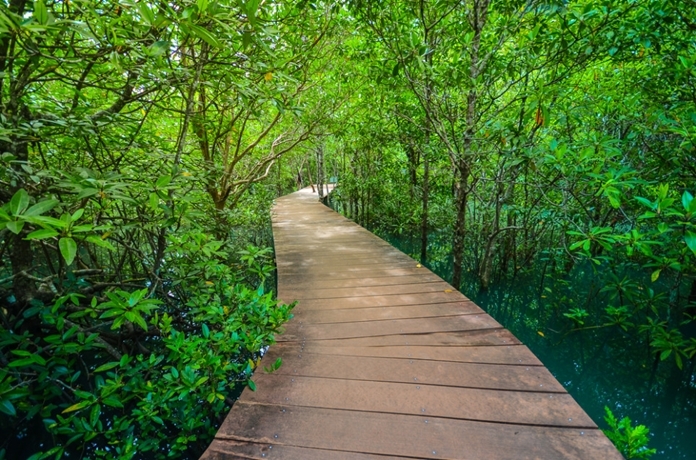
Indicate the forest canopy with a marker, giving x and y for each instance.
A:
(142, 145)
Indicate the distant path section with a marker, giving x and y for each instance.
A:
(383, 360)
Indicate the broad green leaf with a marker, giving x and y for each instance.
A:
(99, 241)
(137, 319)
(252, 385)
(45, 221)
(146, 13)
(105, 367)
(41, 207)
(68, 248)
(163, 181)
(15, 226)
(690, 239)
(203, 34)
(94, 415)
(87, 192)
(78, 406)
(7, 407)
(40, 12)
(645, 202)
(655, 275)
(77, 214)
(22, 362)
(113, 401)
(19, 202)
(687, 198)
(42, 234)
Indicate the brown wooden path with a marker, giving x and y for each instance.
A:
(384, 359)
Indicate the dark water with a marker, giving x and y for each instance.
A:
(600, 367)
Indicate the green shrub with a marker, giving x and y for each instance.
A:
(632, 441)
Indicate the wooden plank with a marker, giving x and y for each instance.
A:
(230, 449)
(299, 330)
(338, 267)
(394, 300)
(416, 398)
(394, 370)
(338, 293)
(410, 436)
(382, 272)
(484, 337)
(322, 283)
(385, 313)
(504, 354)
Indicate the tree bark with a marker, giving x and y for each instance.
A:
(460, 228)
(424, 210)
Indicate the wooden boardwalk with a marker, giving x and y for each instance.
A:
(384, 359)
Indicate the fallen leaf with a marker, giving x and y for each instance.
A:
(540, 333)
(418, 265)
(448, 291)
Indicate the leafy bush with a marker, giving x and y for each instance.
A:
(632, 441)
(165, 388)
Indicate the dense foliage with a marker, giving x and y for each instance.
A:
(519, 132)
(135, 230)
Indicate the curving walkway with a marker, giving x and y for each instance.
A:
(384, 359)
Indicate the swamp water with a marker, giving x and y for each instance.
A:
(599, 367)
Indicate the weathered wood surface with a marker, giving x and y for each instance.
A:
(385, 360)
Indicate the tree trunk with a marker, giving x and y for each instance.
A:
(320, 172)
(424, 213)
(460, 228)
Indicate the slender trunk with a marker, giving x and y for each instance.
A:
(424, 213)
(487, 262)
(309, 175)
(320, 172)
(477, 20)
(460, 229)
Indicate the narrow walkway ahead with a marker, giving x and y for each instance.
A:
(384, 359)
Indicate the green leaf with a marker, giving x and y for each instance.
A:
(40, 12)
(99, 241)
(68, 248)
(203, 34)
(94, 415)
(206, 331)
(655, 275)
(105, 367)
(42, 234)
(22, 362)
(19, 202)
(687, 198)
(41, 207)
(77, 214)
(15, 226)
(252, 385)
(76, 407)
(137, 319)
(87, 192)
(112, 401)
(690, 239)
(7, 407)
(163, 181)
(645, 202)
(146, 13)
